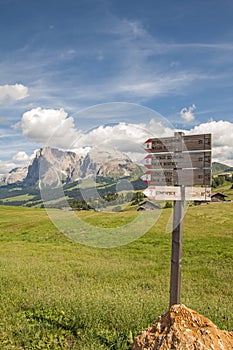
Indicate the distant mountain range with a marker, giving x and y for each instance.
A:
(50, 164)
(76, 173)
(93, 176)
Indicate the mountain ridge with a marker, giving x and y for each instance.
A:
(52, 163)
(71, 166)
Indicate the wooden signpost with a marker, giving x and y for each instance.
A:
(175, 165)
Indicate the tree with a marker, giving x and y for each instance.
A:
(137, 198)
(218, 181)
(168, 205)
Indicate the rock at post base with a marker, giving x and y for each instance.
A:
(183, 329)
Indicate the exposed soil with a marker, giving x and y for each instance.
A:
(183, 329)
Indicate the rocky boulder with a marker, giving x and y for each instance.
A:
(183, 329)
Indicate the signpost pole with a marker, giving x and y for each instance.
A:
(178, 161)
(177, 233)
(176, 256)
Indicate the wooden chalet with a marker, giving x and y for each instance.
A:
(217, 197)
(147, 205)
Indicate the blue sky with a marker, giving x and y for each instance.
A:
(60, 58)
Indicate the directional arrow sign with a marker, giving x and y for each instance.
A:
(186, 177)
(179, 144)
(165, 144)
(178, 160)
(163, 193)
(174, 193)
(159, 177)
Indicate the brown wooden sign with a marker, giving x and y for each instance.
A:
(189, 177)
(178, 160)
(179, 144)
(159, 177)
(185, 177)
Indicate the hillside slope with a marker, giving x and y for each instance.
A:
(219, 167)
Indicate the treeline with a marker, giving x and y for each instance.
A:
(110, 199)
(220, 180)
(103, 195)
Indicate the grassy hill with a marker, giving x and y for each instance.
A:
(219, 167)
(227, 189)
(58, 294)
(17, 194)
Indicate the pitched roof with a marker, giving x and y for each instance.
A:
(218, 193)
(147, 204)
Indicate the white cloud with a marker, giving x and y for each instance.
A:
(6, 166)
(21, 157)
(57, 129)
(187, 113)
(149, 85)
(123, 137)
(49, 126)
(13, 92)
(126, 137)
(136, 29)
(129, 138)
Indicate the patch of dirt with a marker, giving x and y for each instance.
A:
(183, 329)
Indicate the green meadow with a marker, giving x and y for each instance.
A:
(58, 294)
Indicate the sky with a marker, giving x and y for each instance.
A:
(76, 74)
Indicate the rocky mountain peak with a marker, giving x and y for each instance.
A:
(103, 158)
(102, 155)
(51, 164)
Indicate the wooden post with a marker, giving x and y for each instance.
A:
(176, 256)
(177, 232)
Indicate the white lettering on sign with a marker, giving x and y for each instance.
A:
(186, 177)
(178, 160)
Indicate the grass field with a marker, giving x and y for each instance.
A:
(225, 189)
(58, 294)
